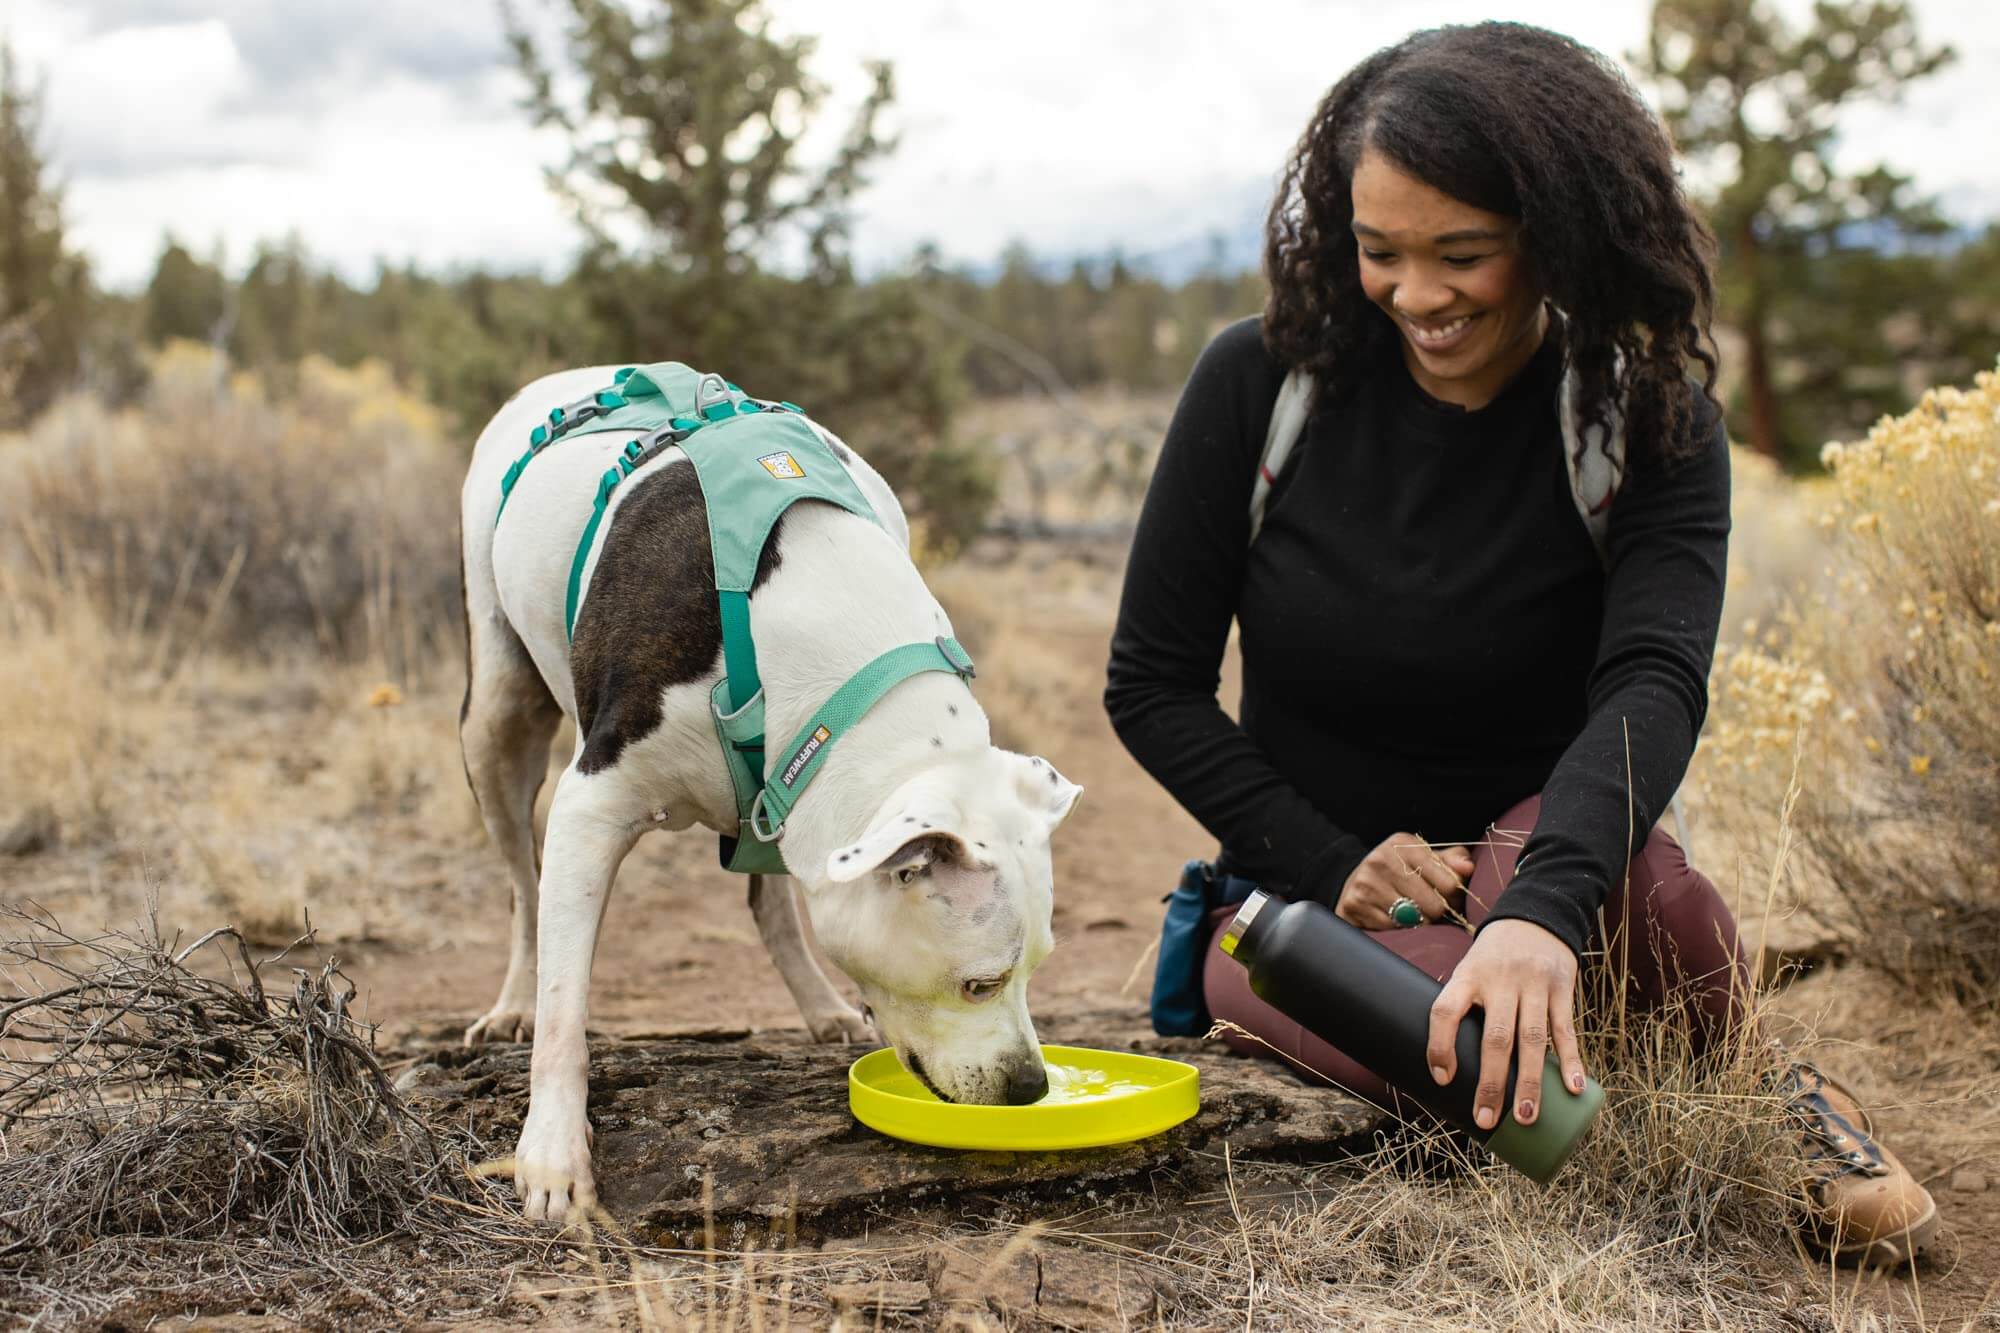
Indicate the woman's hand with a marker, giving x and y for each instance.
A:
(1403, 866)
(1524, 978)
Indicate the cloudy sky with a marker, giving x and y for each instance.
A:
(388, 129)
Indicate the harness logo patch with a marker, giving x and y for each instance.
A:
(782, 466)
(819, 737)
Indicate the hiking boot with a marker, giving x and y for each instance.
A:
(1862, 1205)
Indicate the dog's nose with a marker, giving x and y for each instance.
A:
(1027, 1085)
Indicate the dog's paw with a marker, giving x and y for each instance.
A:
(504, 1023)
(552, 1172)
(845, 1025)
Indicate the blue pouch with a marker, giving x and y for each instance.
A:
(1178, 1008)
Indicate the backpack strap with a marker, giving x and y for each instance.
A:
(1594, 460)
(1288, 421)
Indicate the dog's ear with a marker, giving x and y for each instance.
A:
(1044, 791)
(905, 841)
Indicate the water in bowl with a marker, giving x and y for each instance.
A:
(1069, 1084)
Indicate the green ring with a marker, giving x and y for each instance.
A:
(1406, 913)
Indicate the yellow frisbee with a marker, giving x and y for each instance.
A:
(1095, 1098)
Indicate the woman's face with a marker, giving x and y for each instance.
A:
(1452, 277)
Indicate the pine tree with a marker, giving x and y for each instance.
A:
(687, 117)
(1753, 103)
(44, 289)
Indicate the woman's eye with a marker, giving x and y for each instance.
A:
(1377, 256)
(1463, 261)
(984, 989)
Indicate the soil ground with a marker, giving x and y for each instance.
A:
(680, 954)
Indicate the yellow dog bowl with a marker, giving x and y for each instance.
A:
(1094, 1098)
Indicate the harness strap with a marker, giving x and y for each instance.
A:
(739, 651)
(562, 420)
(636, 454)
(847, 706)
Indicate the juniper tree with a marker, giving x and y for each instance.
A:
(688, 115)
(44, 288)
(688, 119)
(1753, 103)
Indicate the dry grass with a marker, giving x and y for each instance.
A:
(215, 514)
(159, 705)
(1676, 1213)
(172, 1139)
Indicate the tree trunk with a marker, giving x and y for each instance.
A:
(1764, 432)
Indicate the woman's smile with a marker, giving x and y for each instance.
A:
(1438, 339)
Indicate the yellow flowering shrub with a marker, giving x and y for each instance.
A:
(1900, 808)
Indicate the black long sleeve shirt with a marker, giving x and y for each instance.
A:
(1428, 633)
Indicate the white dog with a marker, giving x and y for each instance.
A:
(922, 850)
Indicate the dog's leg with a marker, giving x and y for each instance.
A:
(589, 834)
(505, 726)
(774, 901)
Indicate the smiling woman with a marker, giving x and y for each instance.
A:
(1478, 603)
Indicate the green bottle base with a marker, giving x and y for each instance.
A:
(1539, 1150)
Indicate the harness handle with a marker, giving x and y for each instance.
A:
(703, 398)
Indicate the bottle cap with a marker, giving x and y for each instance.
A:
(1539, 1150)
(1232, 935)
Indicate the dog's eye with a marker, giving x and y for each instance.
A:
(908, 873)
(982, 989)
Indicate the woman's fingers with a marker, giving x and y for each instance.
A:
(1496, 1050)
(1424, 878)
(1358, 905)
(1562, 1027)
(1402, 866)
(1532, 1023)
(1448, 1010)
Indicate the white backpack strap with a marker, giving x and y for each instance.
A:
(1595, 473)
(1288, 422)
(1595, 463)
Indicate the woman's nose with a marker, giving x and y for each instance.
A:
(1421, 300)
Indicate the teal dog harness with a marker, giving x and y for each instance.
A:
(755, 459)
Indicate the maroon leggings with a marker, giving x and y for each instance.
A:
(1666, 926)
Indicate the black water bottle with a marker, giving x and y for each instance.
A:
(1375, 1008)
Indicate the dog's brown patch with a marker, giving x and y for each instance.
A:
(651, 620)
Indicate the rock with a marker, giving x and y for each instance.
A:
(795, 1162)
(36, 830)
(1968, 1180)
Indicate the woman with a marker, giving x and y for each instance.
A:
(1449, 689)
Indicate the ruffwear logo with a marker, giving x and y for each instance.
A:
(783, 466)
(819, 737)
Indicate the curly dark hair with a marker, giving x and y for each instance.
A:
(1526, 123)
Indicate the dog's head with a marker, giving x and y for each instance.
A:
(942, 910)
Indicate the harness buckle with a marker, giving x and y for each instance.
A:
(956, 656)
(756, 821)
